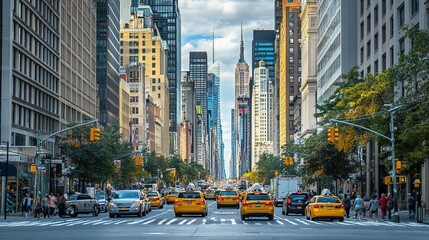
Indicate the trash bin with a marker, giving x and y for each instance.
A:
(421, 212)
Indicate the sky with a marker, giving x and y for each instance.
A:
(199, 17)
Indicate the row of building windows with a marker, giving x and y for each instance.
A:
(28, 118)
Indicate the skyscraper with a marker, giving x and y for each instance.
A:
(168, 21)
(242, 110)
(263, 49)
(188, 131)
(107, 61)
(198, 75)
(261, 113)
(233, 161)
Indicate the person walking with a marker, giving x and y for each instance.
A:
(390, 205)
(61, 205)
(411, 205)
(359, 206)
(373, 207)
(27, 204)
(45, 206)
(383, 206)
(347, 204)
(52, 204)
(37, 207)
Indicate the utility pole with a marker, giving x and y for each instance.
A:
(392, 111)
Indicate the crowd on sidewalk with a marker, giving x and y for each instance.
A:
(49, 205)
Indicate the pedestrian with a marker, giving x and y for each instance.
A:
(359, 206)
(45, 206)
(52, 204)
(347, 204)
(390, 204)
(61, 205)
(411, 205)
(365, 209)
(383, 205)
(373, 207)
(37, 207)
(27, 204)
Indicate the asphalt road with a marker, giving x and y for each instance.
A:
(220, 223)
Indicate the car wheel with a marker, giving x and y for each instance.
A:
(306, 216)
(140, 213)
(311, 217)
(238, 206)
(95, 211)
(161, 206)
(286, 212)
(111, 215)
(144, 212)
(243, 217)
(342, 219)
(218, 207)
(178, 214)
(271, 217)
(73, 211)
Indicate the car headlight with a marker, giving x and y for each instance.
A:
(112, 204)
(136, 204)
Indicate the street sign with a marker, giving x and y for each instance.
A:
(386, 148)
(41, 168)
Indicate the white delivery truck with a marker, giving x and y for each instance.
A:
(283, 185)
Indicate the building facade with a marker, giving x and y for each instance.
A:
(107, 61)
(308, 74)
(168, 21)
(290, 68)
(142, 44)
(188, 132)
(261, 113)
(124, 110)
(198, 75)
(233, 161)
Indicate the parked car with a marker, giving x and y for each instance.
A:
(81, 203)
(127, 202)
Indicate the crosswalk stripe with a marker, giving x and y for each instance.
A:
(280, 222)
(72, 223)
(162, 221)
(258, 223)
(171, 221)
(233, 222)
(302, 222)
(182, 222)
(245, 223)
(343, 223)
(269, 223)
(118, 222)
(190, 222)
(136, 222)
(289, 221)
(145, 223)
(314, 222)
(204, 221)
(222, 221)
(92, 222)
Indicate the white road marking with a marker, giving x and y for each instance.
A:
(162, 221)
(171, 221)
(314, 222)
(204, 221)
(145, 223)
(222, 221)
(233, 222)
(136, 222)
(279, 222)
(118, 222)
(190, 222)
(289, 221)
(302, 222)
(269, 223)
(182, 222)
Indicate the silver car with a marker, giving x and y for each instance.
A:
(127, 202)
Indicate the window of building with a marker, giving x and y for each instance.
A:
(291, 79)
(291, 89)
(153, 88)
(383, 33)
(291, 125)
(368, 3)
(153, 72)
(401, 15)
(299, 70)
(291, 70)
(376, 67)
(291, 50)
(153, 80)
(392, 56)
(291, 15)
(133, 51)
(414, 7)
(383, 62)
(402, 45)
(362, 31)
(153, 50)
(368, 49)
(362, 8)
(361, 55)
(368, 23)
(376, 15)
(376, 42)
(153, 65)
(368, 69)
(133, 59)
(392, 26)
(291, 60)
(153, 43)
(133, 43)
(383, 7)
(144, 58)
(135, 121)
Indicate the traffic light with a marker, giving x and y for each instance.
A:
(139, 161)
(388, 180)
(94, 134)
(332, 134)
(398, 164)
(401, 179)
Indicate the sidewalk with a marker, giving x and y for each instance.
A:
(18, 216)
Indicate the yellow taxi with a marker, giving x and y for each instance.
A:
(257, 203)
(155, 199)
(190, 201)
(209, 194)
(171, 196)
(228, 198)
(325, 207)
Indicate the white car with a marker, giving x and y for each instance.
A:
(127, 202)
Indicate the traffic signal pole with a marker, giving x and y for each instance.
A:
(392, 111)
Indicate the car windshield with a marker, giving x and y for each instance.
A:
(100, 197)
(227, 193)
(294, 197)
(173, 193)
(125, 194)
(73, 197)
(209, 191)
(189, 195)
(252, 196)
(152, 194)
(328, 200)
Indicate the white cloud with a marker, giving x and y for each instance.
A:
(198, 18)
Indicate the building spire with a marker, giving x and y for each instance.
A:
(241, 60)
(213, 43)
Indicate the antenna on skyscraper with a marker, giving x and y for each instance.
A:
(213, 38)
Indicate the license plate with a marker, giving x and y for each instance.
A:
(189, 202)
(258, 205)
(123, 209)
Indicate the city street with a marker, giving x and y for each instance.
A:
(225, 222)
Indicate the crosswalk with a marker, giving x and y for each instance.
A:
(187, 221)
